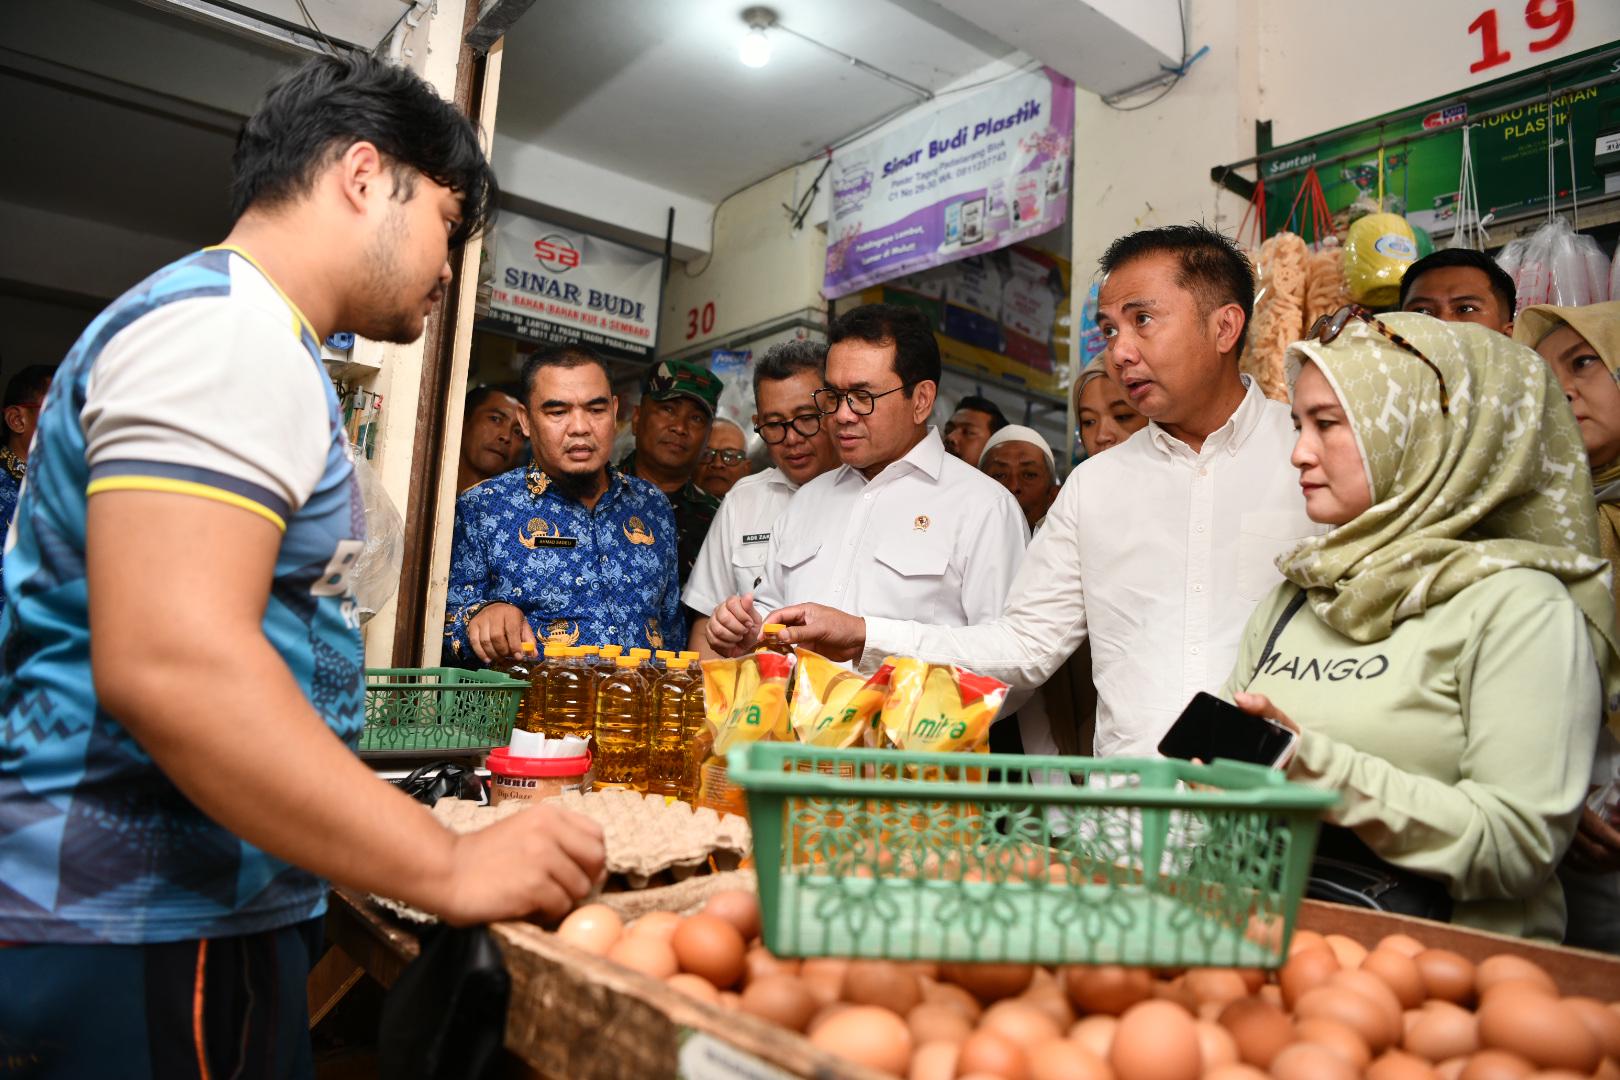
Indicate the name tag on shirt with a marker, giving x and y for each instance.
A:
(553, 541)
(756, 538)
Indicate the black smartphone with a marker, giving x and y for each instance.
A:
(1209, 728)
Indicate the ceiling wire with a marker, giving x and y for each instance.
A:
(313, 25)
(1177, 73)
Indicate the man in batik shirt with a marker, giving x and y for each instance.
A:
(568, 550)
(25, 393)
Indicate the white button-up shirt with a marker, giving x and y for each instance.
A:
(928, 538)
(1158, 553)
(733, 557)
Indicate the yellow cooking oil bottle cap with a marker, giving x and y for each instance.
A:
(687, 654)
(641, 654)
(527, 648)
(664, 654)
(612, 651)
(556, 650)
(773, 628)
(626, 661)
(680, 663)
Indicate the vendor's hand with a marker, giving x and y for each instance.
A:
(1260, 705)
(498, 632)
(1596, 848)
(835, 634)
(540, 861)
(734, 627)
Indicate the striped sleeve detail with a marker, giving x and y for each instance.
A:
(188, 480)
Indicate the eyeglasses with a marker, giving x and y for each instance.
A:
(861, 402)
(775, 431)
(727, 457)
(1329, 327)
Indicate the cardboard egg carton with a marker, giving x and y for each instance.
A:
(652, 843)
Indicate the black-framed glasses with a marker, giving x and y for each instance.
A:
(861, 402)
(775, 431)
(727, 457)
(1329, 327)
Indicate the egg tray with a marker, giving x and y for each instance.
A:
(993, 858)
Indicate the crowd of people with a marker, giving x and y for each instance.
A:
(1411, 565)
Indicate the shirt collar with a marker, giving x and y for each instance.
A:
(777, 478)
(538, 483)
(15, 466)
(1230, 436)
(927, 457)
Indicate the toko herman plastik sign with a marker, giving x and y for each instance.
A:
(558, 286)
(957, 177)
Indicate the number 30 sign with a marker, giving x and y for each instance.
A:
(1553, 19)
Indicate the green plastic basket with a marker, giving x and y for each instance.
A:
(1007, 858)
(438, 710)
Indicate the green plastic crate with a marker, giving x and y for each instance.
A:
(993, 859)
(438, 710)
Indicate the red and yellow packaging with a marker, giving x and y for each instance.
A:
(833, 706)
(745, 701)
(939, 708)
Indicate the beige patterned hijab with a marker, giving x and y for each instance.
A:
(1501, 482)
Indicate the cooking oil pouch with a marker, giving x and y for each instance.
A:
(1377, 250)
(833, 706)
(939, 708)
(744, 701)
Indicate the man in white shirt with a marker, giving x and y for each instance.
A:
(901, 529)
(732, 561)
(1157, 550)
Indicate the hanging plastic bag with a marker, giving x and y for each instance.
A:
(1597, 269)
(1555, 267)
(1377, 250)
(376, 571)
(1511, 258)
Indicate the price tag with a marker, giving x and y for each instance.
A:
(703, 1057)
(1609, 144)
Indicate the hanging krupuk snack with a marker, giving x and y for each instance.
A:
(745, 701)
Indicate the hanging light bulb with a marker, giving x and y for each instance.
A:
(755, 50)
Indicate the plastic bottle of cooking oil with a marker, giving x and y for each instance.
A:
(621, 728)
(568, 695)
(770, 639)
(611, 653)
(666, 761)
(525, 667)
(693, 743)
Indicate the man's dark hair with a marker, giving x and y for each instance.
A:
(1501, 282)
(1213, 267)
(789, 358)
(975, 403)
(563, 356)
(916, 353)
(28, 386)
(316, 113)
(480, 394)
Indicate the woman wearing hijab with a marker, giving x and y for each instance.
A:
(1582, 346)
(1446, 650)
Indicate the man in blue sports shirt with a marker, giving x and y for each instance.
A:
(568, 549)
(180, 660)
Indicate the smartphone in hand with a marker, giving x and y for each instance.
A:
(1209, 728)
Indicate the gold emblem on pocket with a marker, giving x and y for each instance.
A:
(536, 531)
(558, 632)
(921, 523)
(655, 636)
(636, 531)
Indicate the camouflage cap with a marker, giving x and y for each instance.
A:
(669, 379)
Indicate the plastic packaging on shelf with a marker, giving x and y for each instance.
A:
(1279, 311)
(1377, 250)
(1558, 266)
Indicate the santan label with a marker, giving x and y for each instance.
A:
(1299, 668)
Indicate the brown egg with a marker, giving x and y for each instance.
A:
(1505, 967)
(1446, 975)
(1271, 994)
(866, 1035)
(1541, 1030)
(646, 954)
(1215, 1045)
(1405, 944)
(1304, 972)
(1156, 1040)
(1609, 1069)
(1443, 1031)
(1096, 1034)
(989, 982)
(782, 999)
(1363, 1015)
(1305, 939)
(1106, 988)
(1175, 991)
(1308, 1061)
(825, 1013)
(824, 976)
(761, 963)
(737, 907)
(1060, 1059)
(1235, 1072)
(1398, 1065)
(938, 993)
(1495, 1065)
(1398, 971)
(1603, 1021)
(1349, 951)
(1378, 992)
(658, 924)
(1451, 1068)
(1259, 1029)
(1053, 1002)
(695, 986)
(934, 1061)
(1216, 984)
(593, 928)
(1338, 1037)
(1021, 1022)
(993, 1053)
(728, 1000)
(711, 947)
(879, 982)
(1515, 988)
(930, 1022)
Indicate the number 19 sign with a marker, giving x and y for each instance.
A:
(1549, 21)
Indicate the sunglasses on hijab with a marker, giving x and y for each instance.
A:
(1329, 327)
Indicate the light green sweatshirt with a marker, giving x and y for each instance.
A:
(1461, 745)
